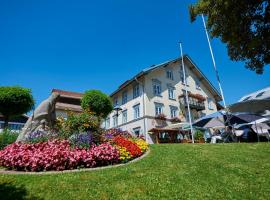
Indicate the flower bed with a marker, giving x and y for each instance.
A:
(62, 155)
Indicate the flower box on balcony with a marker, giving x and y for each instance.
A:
(175, 120)
(161, 117)
(199, 97)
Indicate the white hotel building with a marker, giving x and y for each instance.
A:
(159, 90)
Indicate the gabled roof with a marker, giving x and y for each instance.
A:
(68, 94)
(195, 69)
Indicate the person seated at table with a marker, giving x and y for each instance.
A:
(207, 135)
(216, 136)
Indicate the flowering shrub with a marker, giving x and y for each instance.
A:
(76, 123)
(130, 146)
(141, 144)
(111, 133)
(82, 140)
(124, 154)
(105, 154)
(40, 136)
(55, 155)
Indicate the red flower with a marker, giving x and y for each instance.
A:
(132, 147)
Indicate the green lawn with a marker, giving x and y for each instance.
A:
(173, 171)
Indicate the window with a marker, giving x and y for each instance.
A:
(210, 103)
(182, 76)
(136, 91)
(137, 131)
(171, 92)
(247, 98)
(156, 87)
(115, 101)
(124, 116)
(260, 94)
(124, 97)
(107, 123)
(173, 110)
(158, 109)
(169, 74)
(136, 109)
(197, 83)
(115, 121)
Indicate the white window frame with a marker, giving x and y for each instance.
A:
(135, 130)
(124, 116)
(124, 97)
(156, 87)
(169, 74)
(173, 111)
(136, 110)
(171, 93)
(158, 109)
(115, 120)
(107, 122)
(136, 91)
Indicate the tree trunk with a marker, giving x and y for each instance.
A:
(6, 119)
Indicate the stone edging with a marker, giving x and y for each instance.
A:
(3, 171)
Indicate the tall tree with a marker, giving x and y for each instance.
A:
(244, 25)
(15, 101)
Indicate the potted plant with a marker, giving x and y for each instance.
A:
(198, 136)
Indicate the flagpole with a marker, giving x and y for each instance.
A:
(186, 93)
(214, 63)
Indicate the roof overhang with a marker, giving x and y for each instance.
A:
(194, 68)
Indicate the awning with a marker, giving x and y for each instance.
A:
(259, 106)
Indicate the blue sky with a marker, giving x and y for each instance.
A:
(98, 44)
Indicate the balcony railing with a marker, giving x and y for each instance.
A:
(193, 103)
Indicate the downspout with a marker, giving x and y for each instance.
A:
(144, 111)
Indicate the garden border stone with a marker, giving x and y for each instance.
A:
(4, 171)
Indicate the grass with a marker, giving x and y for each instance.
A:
(171, 171)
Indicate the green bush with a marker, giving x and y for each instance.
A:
(77, 123)
(198, 134)
(7, 137)
(15, 101)
(97, 102)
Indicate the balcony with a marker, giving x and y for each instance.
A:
(195, 101)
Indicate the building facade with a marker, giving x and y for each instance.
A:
(68, 102)
(15, 124)
(155, 98)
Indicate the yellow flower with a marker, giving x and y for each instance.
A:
(141, 144)
(124, 154)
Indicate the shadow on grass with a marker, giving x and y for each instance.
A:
(9, 191)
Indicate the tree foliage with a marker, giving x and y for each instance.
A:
(243, 25)
(15, 101)
(97, 102)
